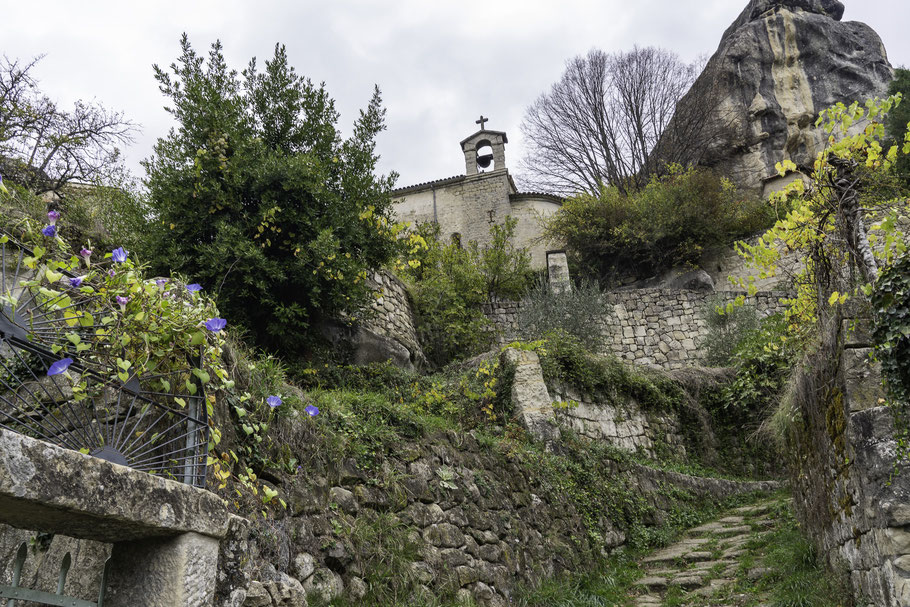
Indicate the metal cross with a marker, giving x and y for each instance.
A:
(482, 121)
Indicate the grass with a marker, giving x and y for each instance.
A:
(606, 587)
(791, 574)
(796, 578)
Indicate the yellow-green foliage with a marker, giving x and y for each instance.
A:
(812, 222)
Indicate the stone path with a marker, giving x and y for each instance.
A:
(701, 569)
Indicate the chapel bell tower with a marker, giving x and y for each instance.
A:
(485, 150)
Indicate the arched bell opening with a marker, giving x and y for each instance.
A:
(485, 161)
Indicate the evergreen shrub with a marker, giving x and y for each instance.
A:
(669, 222)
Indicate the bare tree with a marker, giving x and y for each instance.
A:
(43, 147)
(617, 119)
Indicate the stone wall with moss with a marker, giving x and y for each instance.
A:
(849, 472)
(391, 314)
(657, 327)
(457, 517)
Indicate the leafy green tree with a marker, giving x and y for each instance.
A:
(257, 196)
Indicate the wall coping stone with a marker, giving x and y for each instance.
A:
(54, 490)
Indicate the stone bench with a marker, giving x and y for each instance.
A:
(165, 534)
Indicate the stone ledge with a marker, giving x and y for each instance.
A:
(54, 490)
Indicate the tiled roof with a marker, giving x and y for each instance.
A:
(551, 197)
(420, 186)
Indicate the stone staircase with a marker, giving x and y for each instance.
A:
(701, 568)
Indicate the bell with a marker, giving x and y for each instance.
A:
(485, 161)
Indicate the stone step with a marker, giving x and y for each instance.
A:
(675, 552)
(652, 583)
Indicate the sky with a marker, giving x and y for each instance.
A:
(440, 64)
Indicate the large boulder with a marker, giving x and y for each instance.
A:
(777, 67)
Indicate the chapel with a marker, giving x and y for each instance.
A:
(466, 205)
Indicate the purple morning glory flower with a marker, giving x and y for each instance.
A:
(76, 282)
(50, 231)
(311, 410)
(161, 282)
(273, 401)
(59, 367)
(215, 324)
(86, 255)
(111, 273)
(52, 217)
(120, 254)
(123, 301)
(194, 287)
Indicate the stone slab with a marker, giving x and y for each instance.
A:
(54, 490)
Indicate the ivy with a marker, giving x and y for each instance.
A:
(891, 307)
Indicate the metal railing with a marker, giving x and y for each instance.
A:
(15, 592)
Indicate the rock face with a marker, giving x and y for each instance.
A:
(777, 67)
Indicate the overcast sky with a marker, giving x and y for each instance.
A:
(439, 63)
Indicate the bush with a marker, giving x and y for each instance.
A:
(579, 313)
(449, 283)
(566, 361)
(257, 197)
(505, 269)
(107, 216)
(763, 360)
(669, 222)
(728, 327)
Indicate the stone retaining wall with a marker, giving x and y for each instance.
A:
(482, 522)
(392, 315)
(620, 423)
(657, 327)
(623, 425)
(851, 486)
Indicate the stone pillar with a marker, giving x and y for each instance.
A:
(530, 395)
(163, 572)
(558, 268)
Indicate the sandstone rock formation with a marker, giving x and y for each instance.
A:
(777, 67)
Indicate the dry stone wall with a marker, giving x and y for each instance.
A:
(624, 425)
(851, 485)
(656, 327)
(481, 522)
(619, 422)
(392, 315)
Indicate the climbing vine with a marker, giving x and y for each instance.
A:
(127, 326)
(845, 228)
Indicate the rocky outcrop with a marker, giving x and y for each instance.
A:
(778, 65)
